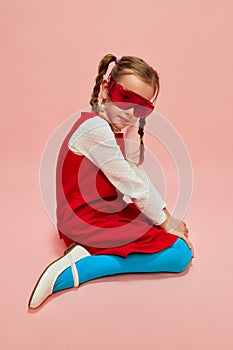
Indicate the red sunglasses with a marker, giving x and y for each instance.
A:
(125, 99)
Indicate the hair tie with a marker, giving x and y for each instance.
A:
(117, 60)
(141, 138)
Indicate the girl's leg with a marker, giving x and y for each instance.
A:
(173, 259)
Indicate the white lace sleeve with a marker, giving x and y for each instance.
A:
(95, 140)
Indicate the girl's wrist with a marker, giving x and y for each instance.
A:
(166, 212)
(163, 218)
(167, 216)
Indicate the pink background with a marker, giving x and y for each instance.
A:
(49, 57)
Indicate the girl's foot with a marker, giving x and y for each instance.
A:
(45, 284)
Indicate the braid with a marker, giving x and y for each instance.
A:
(142, 122)
(102, 69)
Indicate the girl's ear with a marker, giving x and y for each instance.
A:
(104, 89)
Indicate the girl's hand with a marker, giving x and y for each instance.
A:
(185, 238)
(178, 228)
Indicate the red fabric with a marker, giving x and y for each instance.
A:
(91, 211)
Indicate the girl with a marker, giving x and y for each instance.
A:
(106, 235)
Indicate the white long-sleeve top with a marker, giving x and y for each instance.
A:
(95, 140)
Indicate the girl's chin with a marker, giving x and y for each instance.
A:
(118, 126)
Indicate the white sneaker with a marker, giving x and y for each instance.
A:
(45, 284)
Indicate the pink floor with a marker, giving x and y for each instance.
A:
(49, 62)
(191, 310)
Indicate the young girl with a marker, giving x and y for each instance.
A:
(105, 234)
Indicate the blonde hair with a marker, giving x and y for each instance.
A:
(126, 65)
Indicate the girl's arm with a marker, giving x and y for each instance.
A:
(95, 140)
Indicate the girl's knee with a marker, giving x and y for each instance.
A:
(184, 255)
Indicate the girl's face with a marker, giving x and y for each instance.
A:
(121, 118)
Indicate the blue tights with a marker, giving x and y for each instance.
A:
(172, 259)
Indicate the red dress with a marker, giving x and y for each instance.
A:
(101, 222)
